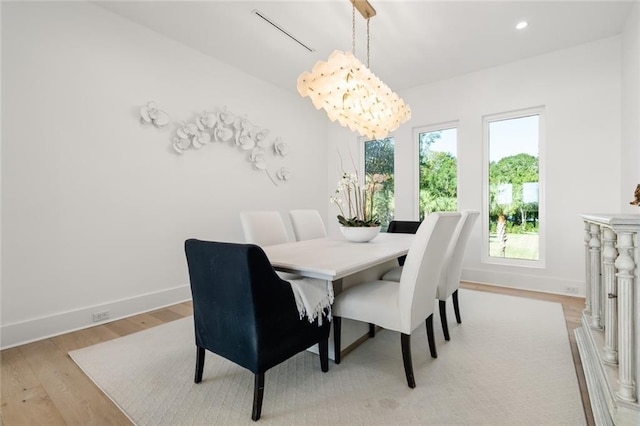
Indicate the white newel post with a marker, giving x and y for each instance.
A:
(594, 274)
(608, 340)
(609, 255)
(587, 239)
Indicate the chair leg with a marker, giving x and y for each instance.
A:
(405, 341)
(258, 392)
(337, 326)
(372, 330)
(323, 350)
(456, 307)
(443, 319)
(432, 341)
(199, 364)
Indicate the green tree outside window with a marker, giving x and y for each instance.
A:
(378, 158)
(438, 171)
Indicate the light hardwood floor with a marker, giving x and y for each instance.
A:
(41, 385)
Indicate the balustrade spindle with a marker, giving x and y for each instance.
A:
(609, 255)
(587, 239)
(626, 343)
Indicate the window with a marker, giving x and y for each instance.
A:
(513, 198)
(378, 158)
(438, 169)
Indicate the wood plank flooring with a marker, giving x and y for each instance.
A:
(41, 385)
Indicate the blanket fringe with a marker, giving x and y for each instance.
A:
(313, 298)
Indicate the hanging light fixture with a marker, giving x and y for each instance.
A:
(350, 93)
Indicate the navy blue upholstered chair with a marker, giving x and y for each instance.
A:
(403, 227)
(245, 313)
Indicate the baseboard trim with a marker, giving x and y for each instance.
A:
(538, 283)
(32, 330)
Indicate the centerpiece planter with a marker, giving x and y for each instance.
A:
(357, 219)
(360, 234)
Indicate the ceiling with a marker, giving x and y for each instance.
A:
(412, 42)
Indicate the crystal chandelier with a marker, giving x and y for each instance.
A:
(350, 93)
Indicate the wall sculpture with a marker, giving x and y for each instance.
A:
(224, 127)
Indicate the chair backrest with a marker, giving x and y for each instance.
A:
(307, 224)
(403, 226)
(421, 272)
(450, 280)
(263, 228)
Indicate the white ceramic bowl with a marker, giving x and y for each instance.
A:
(360, 234)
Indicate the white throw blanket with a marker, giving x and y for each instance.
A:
(312, 296)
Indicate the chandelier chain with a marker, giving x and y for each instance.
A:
(368, 39)
(353, 29)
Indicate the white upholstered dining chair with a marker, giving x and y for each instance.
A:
(405, 305)
(266, 228)
(450, 277)
(307, 224)
(263, 228)
(450, 282)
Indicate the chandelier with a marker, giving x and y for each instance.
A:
(350, 93)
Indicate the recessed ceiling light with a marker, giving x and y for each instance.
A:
(522, 25)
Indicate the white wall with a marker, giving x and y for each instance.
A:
(630, 159)
(96, 206)
(580, 91)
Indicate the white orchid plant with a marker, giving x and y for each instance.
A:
(355, 202)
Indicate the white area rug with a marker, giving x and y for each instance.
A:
(508, 363)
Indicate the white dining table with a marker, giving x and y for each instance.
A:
(334, 258)
(343, 263)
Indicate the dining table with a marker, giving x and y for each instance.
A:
(343, 263)
(336, 258)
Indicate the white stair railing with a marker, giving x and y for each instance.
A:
(608, 340)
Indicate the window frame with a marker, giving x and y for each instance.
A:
(484, 216)
(446, 125)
